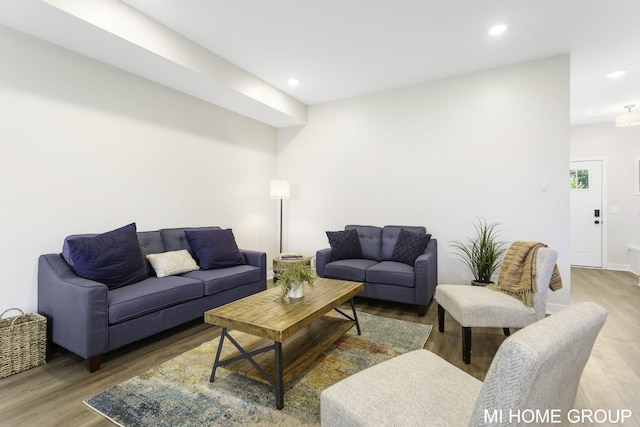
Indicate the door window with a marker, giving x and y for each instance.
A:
(579, 179)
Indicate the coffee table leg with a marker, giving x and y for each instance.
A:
(279, 389)
(355, 316)
(215, 362)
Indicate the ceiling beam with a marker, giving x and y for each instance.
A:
(119, 35)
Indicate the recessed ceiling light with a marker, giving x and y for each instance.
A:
(293, 82)
(617, 74)
(497, 30)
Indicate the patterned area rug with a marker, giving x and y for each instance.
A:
(178, 392)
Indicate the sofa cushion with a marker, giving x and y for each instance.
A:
(390, 235)
(172, 263)
(348, 269)
(391, 273)
(221, 279)
(174, 239)
(113, 258)
(344, 244)
(370, 238)
(150, 243)
(409, 246)
(214, 248)
(150, 295)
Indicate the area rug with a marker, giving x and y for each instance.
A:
(178, 392)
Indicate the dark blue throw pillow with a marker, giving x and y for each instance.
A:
(409, 246)
(344, 244)
(113, 258)
(214, 248)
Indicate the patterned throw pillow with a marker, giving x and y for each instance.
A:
(344, 244)
(409, 246)
(172, 263)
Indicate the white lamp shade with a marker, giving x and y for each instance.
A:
(280, 189)
(628, 119)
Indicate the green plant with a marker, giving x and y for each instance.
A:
(292, 275)
(482, 253)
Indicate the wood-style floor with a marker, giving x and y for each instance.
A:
(52, 394)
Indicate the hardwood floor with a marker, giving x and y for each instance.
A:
(52, 394)
(611, 379)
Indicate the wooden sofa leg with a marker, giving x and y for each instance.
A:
(440, 318)
(422, 310)
(93, 363)
(506, 331)
(466, 345)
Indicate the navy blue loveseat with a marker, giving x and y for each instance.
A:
(90, 317)
(387, 263)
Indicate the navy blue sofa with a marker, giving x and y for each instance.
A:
(385, 278)
(89, 318)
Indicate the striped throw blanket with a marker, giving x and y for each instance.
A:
(518, 273)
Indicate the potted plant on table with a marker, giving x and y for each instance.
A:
(481, 253)
(292, 277)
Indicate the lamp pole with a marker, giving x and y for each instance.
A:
(281, 225)
(280, 189)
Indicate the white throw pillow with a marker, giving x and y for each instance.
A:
(172, 263)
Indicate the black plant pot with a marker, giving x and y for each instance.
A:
(477, 283)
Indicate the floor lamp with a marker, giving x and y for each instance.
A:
(280, 189)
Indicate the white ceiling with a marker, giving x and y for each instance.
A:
(343, 48)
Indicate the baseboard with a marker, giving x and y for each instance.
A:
(618, 267)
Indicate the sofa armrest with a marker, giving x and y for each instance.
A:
(76, 308)
(426, 273)
(323, 257)
(257, 259)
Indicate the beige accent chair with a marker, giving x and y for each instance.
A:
(477, 306)
(536, 370)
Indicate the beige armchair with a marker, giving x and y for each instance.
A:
(477, 306)
(537, 370)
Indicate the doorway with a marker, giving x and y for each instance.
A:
(585, 183)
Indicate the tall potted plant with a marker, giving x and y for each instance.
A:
(292, 278)
(481, 253)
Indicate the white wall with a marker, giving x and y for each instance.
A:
(618, 148)
(88, 148)
(438, 154)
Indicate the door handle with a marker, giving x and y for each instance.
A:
(597, 222)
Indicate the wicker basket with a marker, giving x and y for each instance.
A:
(23, 342)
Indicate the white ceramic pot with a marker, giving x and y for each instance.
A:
(297, 291)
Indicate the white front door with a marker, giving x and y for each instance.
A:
(585, 182)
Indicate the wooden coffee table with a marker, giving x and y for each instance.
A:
(296, 330)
